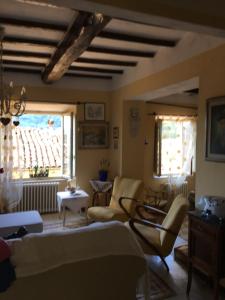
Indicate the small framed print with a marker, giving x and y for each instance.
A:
(94, 111)
(93, 135)
(115, 132)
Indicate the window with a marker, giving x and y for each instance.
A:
(175, 143)
(46, 145)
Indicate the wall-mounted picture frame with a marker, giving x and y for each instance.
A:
(94, 111)
(115, 132)
(93, 135)
(215, 129)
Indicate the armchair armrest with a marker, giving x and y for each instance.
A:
(150, 224)
(123, 207)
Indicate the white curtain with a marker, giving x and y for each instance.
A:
(178, 148)
(11, 183)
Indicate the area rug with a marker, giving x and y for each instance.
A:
(53, 221)
(158, 288)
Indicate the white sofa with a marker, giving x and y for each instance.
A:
(100, 261)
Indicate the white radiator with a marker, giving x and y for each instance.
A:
(39, 196)
(183, 189)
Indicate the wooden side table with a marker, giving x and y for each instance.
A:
(101, 191)
(206, 248)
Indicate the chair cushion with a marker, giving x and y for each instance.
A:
(151, 234)
(106, 213)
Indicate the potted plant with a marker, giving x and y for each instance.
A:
(103, 170)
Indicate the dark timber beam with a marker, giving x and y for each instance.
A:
(29, 42)
(76, 40)
(117, 51)
(32, 24)
(23, 63)
(38, 71)
(72, 68)
(137, 39)
(97, 70)
(26, 54)
(107, 62)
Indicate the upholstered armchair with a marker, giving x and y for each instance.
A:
(122, 188)
(158, 239)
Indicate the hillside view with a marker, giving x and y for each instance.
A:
(40, 121)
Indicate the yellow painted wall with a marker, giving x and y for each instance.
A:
(210, 68)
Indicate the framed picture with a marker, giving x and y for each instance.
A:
(215, 129)
(115, 132)
(94, 111)
(93, 135)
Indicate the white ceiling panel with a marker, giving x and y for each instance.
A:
(143, 30)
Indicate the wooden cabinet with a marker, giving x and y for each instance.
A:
(206, 248)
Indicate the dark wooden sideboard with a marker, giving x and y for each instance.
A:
(206, 248)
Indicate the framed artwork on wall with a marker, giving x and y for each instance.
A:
(215, 129)
(94, 111)
(93, 135)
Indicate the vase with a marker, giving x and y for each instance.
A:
(102, 175)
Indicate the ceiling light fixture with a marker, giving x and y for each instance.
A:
(9, 107)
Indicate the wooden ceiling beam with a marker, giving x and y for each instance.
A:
(107, 62)
(72, 68)
(29, 42)
(76, 40)
(23, 63)
(80, 59)
(88, 76)
(38, 71)
(137, 39)
(97, 70)
(32, 24)
(26, 54)
(106, 50)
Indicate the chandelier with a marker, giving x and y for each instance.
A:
(9, 107)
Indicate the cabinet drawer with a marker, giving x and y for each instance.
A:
(203, 228)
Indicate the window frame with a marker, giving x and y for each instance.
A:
(157, 163)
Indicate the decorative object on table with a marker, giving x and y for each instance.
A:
(115, 132)
(9, 105)
(71, 185)
(103, 169)
(93, 135)
(215, 130)
(214, 205)
(94, 111)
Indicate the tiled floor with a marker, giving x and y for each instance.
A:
(177, 279)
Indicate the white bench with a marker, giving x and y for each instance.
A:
(10, 223)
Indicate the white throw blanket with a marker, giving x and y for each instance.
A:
(40, 252)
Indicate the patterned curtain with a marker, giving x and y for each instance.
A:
(176, 145)
(11, 183)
